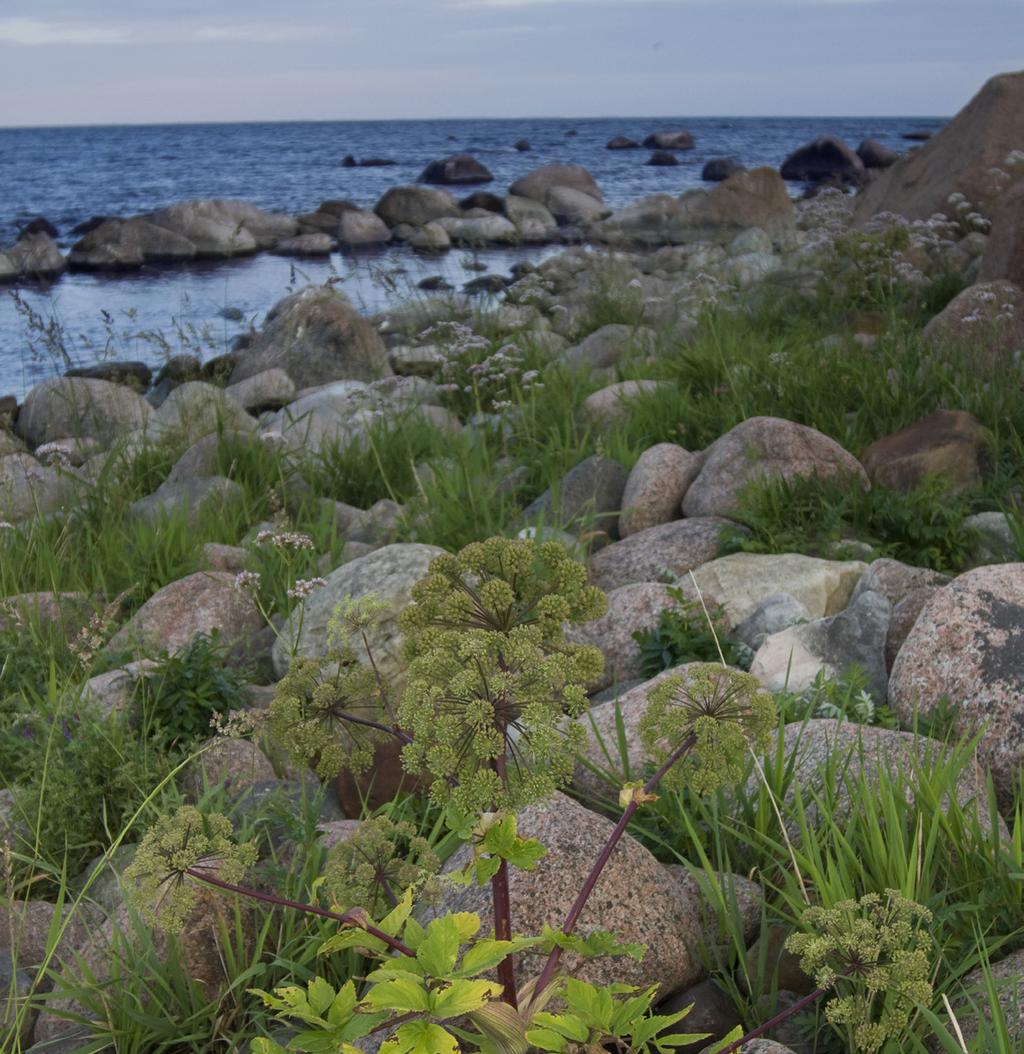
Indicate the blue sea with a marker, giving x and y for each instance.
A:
(72, 174)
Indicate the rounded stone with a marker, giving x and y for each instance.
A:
(656, 486)
(967, 645)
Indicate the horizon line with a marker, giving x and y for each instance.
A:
(424, 120)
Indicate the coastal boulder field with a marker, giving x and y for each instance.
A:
(779, 434)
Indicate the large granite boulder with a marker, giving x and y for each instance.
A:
(825, 158)
(1004, 253)
(316, 336)
(960, 158)
(757, 198)
(966, 651)
(117, 245)
(196, 409)
(358, 228)
(765, 448)
(610, 345)
(205, 602)
(539, 183)
(458, 170)
(224, 226)
(586, 500)
(949, 443)
(984, 322)
(388, 573)
(794, 657)
(667, 550)
(415, 206)
(79, 407)
(636, 898)
(32, 256)
(741, 582)
(28, 488)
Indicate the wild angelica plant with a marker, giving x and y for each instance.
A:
(492, 686)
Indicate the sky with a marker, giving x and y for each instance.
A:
(142, 61)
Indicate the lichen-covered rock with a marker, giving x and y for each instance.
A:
(740, 582)
(65, 407)
(669, 549)
(794, 657)
(967, 645)
(901, 621)
(203, 602)
(635, 898)
(316, 336)
(656, 486)
(895, 580)
(765, 448)
(388, 573)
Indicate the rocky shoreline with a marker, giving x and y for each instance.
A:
(641, 509)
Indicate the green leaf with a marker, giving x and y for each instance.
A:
(463, 997)
(352, 938)
(569, 1025)
(486, 954)
(420, 1037)
(526, 854)
(725, 1041)
(344, 1005)
(261, 1045)
(597, 943)
(439, 950)
(486, 868)
(321, 996)
(393, 922)
(401, 994)
(546, 1039)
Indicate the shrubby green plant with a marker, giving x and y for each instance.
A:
(177, 701)
(685, 634)
(844, 697)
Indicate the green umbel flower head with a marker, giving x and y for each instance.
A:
(876, 954)
(317, 709)
(374, 866)
(159, 880)
(491, 676)
(725, 711)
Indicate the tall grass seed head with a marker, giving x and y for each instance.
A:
(726, 711)
(158, 879)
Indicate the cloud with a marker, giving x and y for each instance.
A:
(33, 32)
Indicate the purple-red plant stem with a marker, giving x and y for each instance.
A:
(503, 911)
(350, 918)
(783, 1015)
(548, 973)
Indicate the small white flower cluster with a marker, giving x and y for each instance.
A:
(304, 588)
(492, 380)
(5, 526)
(247, 581)
(294, 540)
(53, 454)
(534, 288)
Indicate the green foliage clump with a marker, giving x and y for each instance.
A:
(843, 697)
(875, 954)
(374, 866)
(725, 711)
(177, 700)
(161, 878)
(924, 526)
(491, 674)
(685, 634)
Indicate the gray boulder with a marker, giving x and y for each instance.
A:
(28, 488)
(125, 244)
(609, 345)
(79, 407)
(415, 206)
(316, 336)
(586, 501)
